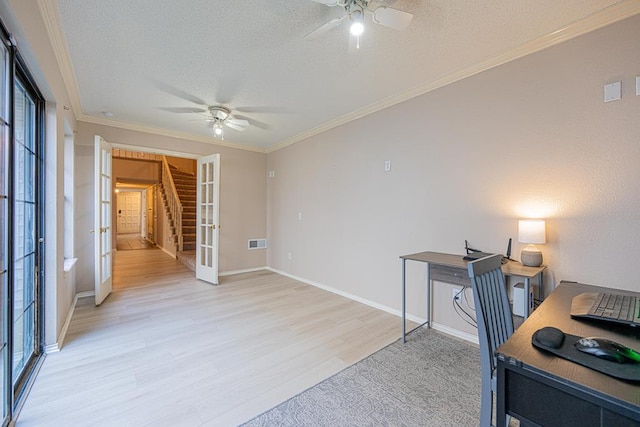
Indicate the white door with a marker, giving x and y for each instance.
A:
(102, 225)
(129, 203)
(143, 213)
(207, 213)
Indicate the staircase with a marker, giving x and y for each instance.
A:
(186, 187)
(178, 192)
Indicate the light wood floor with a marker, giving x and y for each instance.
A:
(165, 349)
(127, 242)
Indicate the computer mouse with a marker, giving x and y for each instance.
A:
(607, 350)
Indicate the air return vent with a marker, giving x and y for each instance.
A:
(257, 243)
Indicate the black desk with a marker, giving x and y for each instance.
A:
(540, 388)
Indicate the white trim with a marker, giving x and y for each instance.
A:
(246, 270)
(174, 256)
(55, 347)
(455, 332)
(437, 326)
(338, 292)
(49, 12)
(69, 263)
(166, 132)
(153, 150)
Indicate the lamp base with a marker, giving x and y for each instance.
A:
(531, 256)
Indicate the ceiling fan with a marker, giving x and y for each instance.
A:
(220, 117)
(355, 11)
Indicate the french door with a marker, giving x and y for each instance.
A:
(21, 244)
(102, 223)
(207, 214)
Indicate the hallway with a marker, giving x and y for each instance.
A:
(134, 241)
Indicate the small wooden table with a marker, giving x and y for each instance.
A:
(450, 268)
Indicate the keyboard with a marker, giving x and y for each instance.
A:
(610, 307)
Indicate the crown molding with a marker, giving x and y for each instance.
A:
(49, 13)
(617, 12)
(168, 133)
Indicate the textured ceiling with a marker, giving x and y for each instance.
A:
(155, 63)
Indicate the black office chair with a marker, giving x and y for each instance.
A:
(495, 324)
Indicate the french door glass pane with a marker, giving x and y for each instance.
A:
(4, 231)
(24, 264)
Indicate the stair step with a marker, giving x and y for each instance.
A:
(190, 246)
(185, 185)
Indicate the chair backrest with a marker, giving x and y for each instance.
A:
(493, 313)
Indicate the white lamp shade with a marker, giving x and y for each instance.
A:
(531, 231)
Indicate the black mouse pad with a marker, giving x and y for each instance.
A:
(551, 340)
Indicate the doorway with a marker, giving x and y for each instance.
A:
(135, 216)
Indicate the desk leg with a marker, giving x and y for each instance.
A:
(428, 274)
(527, 297)
(501, 410)
(404, 303)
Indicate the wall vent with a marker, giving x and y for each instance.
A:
(257, 243)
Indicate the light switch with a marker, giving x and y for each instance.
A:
(612, 92)
(387, 165)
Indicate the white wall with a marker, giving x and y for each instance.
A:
(532, 138)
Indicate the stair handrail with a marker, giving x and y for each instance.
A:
(173, 200)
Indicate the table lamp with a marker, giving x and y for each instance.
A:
(531, 231)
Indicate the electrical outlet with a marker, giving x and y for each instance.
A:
(456, 295)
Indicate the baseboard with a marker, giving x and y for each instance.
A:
(246, 270)
(437, 326)
(455, 332)
(55, 347)
(167, 252)
(339, 292)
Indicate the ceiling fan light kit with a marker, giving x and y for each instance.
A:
(355, 9)
(221, 117)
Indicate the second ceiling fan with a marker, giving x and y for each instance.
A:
(221, 117)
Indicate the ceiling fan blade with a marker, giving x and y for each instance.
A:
(254, 122)
(177, 92)
(392, 18)
(181, 110)
(238, 122)
(324, 28)
(329, 3)
(261, 109)
(234, 126)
